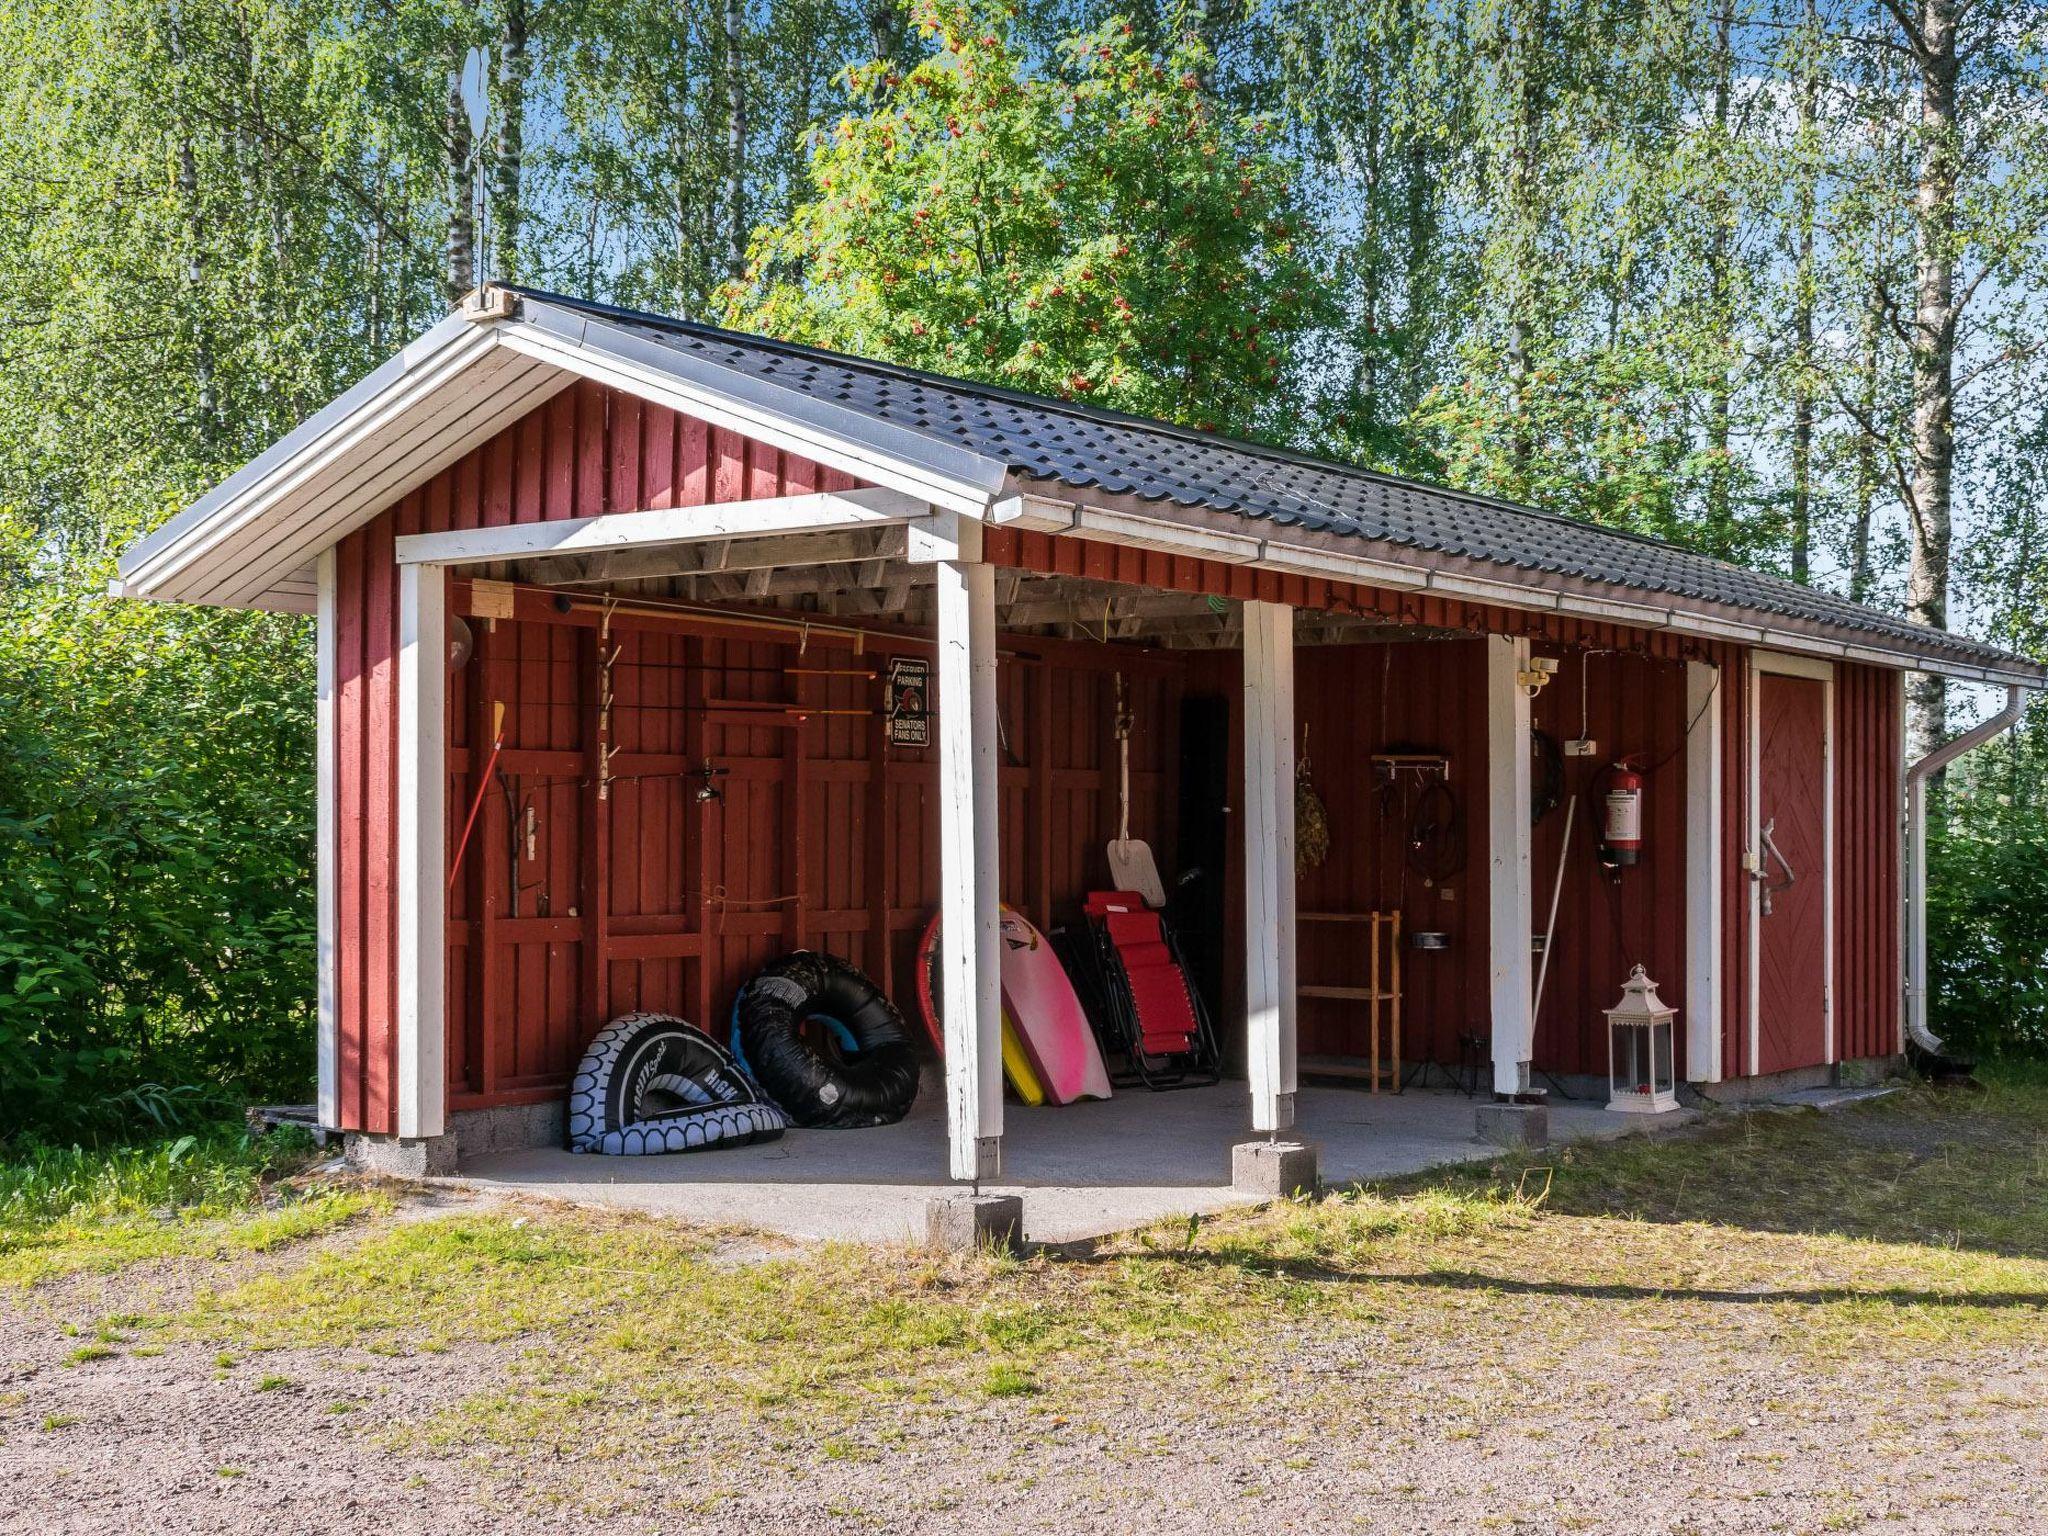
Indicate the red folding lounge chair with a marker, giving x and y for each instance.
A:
(1146, 1013)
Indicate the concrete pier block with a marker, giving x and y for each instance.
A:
(1514, 1125)
(963, 1223)
(400, 1157)
(1273, 1170)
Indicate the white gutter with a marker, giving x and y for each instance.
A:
(1047, 514)
(1916, 839)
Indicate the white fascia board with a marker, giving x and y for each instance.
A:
(1034, 514)
(1509, 594)
(816, 512)
(1869, 656)
(277, 599)
(939, 472)
(1716, 628)
(379, 397)
(1333, 565)
(460, 419)
(1641, 615)
(1811, 645)
(1167, 536)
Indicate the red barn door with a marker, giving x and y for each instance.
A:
(1794, 866)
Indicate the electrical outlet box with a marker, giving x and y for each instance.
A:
(1582, 747)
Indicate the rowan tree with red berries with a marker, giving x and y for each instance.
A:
(1091, 225)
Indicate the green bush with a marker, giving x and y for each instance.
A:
(215, 1171)
(156, 896)
(1987, 924)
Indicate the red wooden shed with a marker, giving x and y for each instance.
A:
(677, 564)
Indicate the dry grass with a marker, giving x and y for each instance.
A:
(1874, 1260)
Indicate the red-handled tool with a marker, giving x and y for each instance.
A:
(483, 785)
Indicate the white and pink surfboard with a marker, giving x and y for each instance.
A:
(1048, 1015)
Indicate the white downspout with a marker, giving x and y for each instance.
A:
(1916, 841)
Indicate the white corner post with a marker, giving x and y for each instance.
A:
(1704, 810)
(968, 855)
(422, 849)
(325, 823)
(1509, 905)
(1269, 863)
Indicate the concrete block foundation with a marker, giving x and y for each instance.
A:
(1514, 1125)
(1273, 1170)
(966, 1223)
(400, 1157)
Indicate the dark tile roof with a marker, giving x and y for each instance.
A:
(1084, 448)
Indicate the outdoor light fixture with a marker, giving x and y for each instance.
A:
(1541, 669)
(1642, 1072)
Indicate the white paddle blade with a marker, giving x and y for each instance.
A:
(1131, 869)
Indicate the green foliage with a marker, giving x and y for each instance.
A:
(1094, 226)
(66, 1209)
(211, 1172)
(1614, 259)
(1987, 905)
(155, 827)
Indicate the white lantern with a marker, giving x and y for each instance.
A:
(1642, 1072)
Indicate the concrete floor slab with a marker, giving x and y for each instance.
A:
(1084, 1169)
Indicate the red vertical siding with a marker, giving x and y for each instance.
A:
(822, 834)
(1736, 816)
(1867, 894)
(587, 451)
(1610, 920)
(1427, 696)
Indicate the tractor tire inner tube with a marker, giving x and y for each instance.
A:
(650, 1083)
(860, 1073)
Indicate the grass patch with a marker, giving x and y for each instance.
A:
(1911, 1223)
(1963, 1168)
(64, 1210)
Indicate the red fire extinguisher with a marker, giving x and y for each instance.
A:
(1621, 827)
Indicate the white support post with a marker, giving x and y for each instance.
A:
(1704, 810)
(1269, 863)
(325, 824)
(1509, 907)
(422, 850)
(968, 855)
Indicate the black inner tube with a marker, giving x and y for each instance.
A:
(874, 1084)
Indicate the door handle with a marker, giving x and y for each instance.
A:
(1762, 876)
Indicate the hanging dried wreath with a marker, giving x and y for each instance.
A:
(1311, 820)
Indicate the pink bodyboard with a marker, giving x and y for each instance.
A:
(1048, 1015)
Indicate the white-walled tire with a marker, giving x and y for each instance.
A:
(651, 1083)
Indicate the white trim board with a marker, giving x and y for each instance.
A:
(814, 512)
(970, 854)
(940, 472)
(1705, 810)
(422, 1014)
(1510, 890)
(1271, 1030)
(1385, 568)
(327, 825)
(1760, 663)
